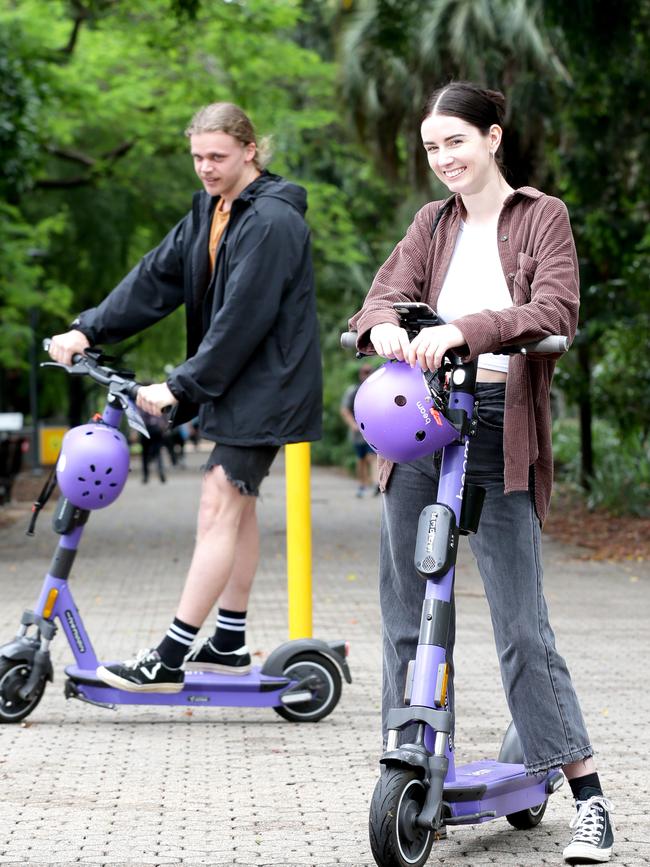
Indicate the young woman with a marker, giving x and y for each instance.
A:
(500, 268)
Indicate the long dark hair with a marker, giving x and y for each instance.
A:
(471, 103)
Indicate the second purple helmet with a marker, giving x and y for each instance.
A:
(93, 465)
(396, 415)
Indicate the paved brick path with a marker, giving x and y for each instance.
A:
(82, 785)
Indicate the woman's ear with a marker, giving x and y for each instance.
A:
(494, 137)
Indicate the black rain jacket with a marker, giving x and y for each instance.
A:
(253, 357)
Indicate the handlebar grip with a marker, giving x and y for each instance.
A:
(349, 340)
(76, 358)
(554, 343)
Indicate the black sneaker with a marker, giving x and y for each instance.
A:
(205, 657)
(593, 836)
(146, 673)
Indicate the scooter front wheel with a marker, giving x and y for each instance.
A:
(13, 676)
(325, 694)
(525, 819)
(395, 838)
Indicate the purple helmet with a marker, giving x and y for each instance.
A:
(396, 415)
(93, 465)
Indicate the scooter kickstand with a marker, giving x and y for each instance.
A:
(72, 691)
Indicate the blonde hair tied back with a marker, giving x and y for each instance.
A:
(229, 118)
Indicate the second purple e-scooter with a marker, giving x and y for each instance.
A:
(421, 789)
(301, 679)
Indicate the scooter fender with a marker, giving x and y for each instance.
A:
(335, 650)
(512, 753)
(408, 756)
(24, 649)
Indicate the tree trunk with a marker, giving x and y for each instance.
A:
(584, 404)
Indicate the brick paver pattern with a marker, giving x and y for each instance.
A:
(137, 786)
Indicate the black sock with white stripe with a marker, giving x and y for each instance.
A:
(177, 642)
(231, 631)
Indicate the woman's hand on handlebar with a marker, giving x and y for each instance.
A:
(155, 398)
(429, 347)
(63, 346)
(390, 341)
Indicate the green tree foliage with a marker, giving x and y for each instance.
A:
(600, 158)
(102, 94)
(95, 95)
(395, 53)
(26, 290)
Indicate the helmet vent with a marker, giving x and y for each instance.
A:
(89, 433)
(420, 435)
(362, 426)
(400, 400)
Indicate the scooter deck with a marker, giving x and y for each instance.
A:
(201, 688)
(492, 787)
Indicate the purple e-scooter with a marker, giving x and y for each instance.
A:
(421, 789)
(300, 679)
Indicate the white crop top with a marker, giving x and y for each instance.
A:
(475, 282)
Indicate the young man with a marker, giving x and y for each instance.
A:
(240, 262)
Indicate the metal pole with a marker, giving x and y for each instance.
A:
(297, 471)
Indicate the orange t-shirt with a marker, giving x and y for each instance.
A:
(217, 228)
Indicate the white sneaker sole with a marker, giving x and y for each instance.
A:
(217, 667)
(582, 853)
(128, 686)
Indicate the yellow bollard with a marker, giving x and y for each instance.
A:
(297, 463)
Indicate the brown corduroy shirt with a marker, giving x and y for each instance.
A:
(539, 261)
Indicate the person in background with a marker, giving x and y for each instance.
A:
(240, 263)
(152, 446)
(366, 461)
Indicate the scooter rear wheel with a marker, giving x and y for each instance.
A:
(13, 676)
(325, 696)
(525, 819)
(395, 839)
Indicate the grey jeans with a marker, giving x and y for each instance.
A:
(507, 549)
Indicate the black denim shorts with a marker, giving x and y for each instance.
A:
(244, 466)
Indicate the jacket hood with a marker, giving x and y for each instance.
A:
(273, 186)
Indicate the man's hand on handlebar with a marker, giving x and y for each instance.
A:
(155, 398)
(428, 348)
(63, 346)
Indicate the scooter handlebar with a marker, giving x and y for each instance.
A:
(349, 340)
(76, 358)
(91, 366)
(554, 344)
